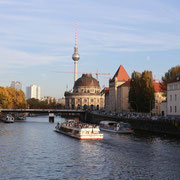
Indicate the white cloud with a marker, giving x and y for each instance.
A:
(13, 2)
(13, 58)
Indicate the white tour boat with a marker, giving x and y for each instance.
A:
(115, 127)
(8, 118)
(79, 130)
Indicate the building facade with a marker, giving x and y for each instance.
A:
(16, 85)
(119, 78)
(33, 91)
(86, 94)
(173, 97)
(105, 93)
(123, 97)
(159, 98)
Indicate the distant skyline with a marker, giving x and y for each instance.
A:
(38, 37)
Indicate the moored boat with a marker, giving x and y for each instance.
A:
(8, 118)
(115, 127)
(20, 117)
(79, 130)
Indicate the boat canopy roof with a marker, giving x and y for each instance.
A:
(70, 120)
(108, 122)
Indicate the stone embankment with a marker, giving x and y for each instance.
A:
(157, 126)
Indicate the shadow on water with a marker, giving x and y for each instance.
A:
(151, 137)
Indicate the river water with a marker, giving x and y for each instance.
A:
(33, 150)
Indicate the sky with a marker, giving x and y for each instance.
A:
(37, 38)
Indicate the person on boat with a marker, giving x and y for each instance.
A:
(117, 127)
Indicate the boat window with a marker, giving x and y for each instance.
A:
(111, 124)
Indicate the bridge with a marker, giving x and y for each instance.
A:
(51, 112)
(75, 111)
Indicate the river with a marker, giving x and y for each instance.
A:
(33, 150)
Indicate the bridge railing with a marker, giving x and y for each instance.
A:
(44, 110)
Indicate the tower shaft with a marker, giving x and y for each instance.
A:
(75, 71)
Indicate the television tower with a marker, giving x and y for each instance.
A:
(75, 56)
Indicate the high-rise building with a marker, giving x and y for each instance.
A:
(16, 85)
(33, 91)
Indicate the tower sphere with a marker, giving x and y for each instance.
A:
(75, 56)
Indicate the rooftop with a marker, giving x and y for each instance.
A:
(121, 74)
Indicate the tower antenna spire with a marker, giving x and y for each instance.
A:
(76, 55)
(76, 35)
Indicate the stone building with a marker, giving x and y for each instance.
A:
(123, 97)
(119, 78)
(105, 94)
(86, 94)
(173, 97)
(159, 98)
(117, 97)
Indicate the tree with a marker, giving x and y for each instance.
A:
(11, 98)
(33, 103)
(141, 93)
(134, 91)
(169, 76)
(4, 98)
(37, 104)
(147, 87)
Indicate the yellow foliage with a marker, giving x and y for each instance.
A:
(11, 98)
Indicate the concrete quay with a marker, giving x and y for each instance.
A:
(162, 126)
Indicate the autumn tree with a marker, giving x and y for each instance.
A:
(11, 98)
(170, 75)
(5, 100)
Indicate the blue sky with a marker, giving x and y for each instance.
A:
(37, 37)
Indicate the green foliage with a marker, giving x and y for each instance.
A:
(11, 98)
(141, 93)
(33, 103)
(37, 104)
(170, 75)
(134, 91)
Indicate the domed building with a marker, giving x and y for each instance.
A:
(86, 94)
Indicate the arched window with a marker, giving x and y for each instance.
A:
(92, 107)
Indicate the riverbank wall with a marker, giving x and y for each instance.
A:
(171, 127)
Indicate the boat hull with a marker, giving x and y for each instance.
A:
(81, 137)
(8, 119)
(115, 131)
